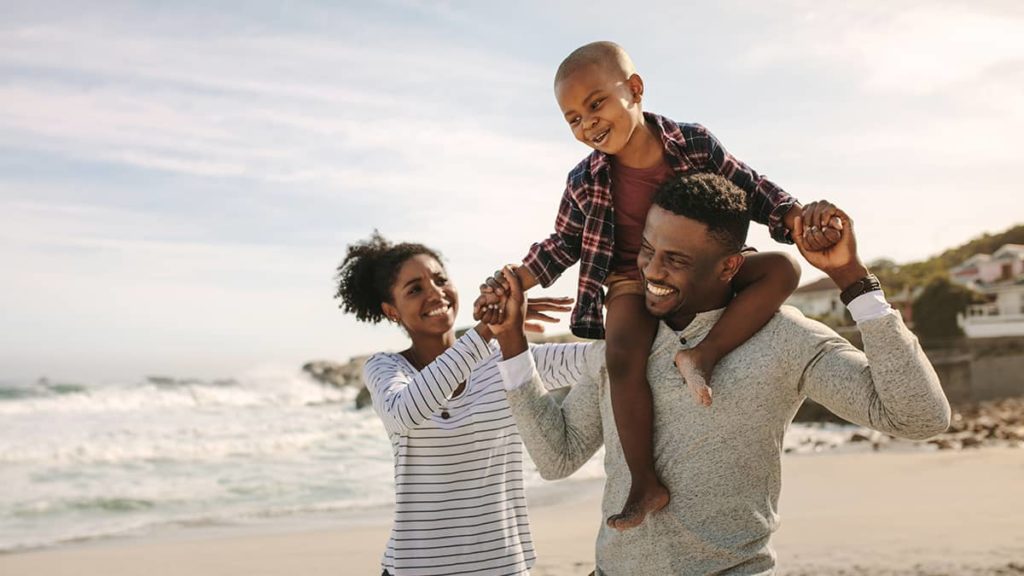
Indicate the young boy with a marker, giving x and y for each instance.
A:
(600, 223)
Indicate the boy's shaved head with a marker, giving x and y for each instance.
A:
(608, 55)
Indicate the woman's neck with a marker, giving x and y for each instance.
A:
(425, 349)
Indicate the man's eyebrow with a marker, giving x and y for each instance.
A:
(673, 253)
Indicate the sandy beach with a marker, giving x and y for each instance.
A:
(955, 512)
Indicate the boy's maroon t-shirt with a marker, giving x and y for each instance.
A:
(632, 194)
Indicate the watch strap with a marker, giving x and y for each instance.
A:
(866, 284)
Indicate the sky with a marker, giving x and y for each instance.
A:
(179, 181)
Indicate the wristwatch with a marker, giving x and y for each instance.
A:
(866, 284)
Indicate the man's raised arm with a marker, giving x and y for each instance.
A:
(559, 438)
(892, 386)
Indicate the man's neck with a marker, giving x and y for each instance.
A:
(682, 318)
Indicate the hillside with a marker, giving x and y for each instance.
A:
(897, 276)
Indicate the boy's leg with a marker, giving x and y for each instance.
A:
(630, 332)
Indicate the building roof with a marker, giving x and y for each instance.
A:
(972, 261)
(1009, 251)
(823, 285)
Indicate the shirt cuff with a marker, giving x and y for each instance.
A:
(869, 306)
(517, 371)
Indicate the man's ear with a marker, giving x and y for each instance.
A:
(636, 87)
(731, 265)
(389, 311)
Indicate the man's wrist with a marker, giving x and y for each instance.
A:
(846, 276)
(516, 371)
(512, 343)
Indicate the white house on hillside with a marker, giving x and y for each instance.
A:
(819, 299)
(1001, 278)
(1004, 264)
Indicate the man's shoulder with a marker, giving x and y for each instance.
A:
(790, 323)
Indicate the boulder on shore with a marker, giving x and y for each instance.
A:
(339, 375)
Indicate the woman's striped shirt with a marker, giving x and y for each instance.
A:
(460, 507)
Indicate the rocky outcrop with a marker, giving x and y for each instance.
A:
(998, 423)
(337, 374)
(363, 399)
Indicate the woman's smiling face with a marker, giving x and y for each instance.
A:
(423, 298)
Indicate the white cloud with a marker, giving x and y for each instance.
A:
(892, 48)
(123, 131)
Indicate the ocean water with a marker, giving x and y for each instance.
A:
(86, 461)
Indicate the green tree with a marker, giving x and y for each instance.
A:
(935, 310)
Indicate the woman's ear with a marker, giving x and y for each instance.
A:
(390, 312)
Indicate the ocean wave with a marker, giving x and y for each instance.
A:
(293, 390)
(40, 388)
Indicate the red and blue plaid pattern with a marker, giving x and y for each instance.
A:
(584, 228)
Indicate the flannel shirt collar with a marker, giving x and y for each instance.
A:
(671, 136)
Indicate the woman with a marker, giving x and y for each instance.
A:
(460, 507)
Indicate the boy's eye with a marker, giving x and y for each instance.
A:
(575, 120)
(596, 104)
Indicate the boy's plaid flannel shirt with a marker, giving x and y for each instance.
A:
(584, 228)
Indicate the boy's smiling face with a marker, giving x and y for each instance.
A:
(601, 106)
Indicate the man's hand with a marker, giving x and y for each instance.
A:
(822, 224)
(509, 327)
(840, 261)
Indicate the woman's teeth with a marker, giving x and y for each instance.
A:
(438, 311)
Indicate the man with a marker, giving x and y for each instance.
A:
(721, 463)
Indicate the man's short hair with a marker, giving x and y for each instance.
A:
(712, 200)
(607, 55)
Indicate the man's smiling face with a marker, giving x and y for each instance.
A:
(683, 267)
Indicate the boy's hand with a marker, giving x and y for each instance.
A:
(492, 292)
(821, 226)
(498, 283)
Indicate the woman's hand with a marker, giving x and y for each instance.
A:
(536, 308)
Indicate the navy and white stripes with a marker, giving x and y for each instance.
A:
(460, 507)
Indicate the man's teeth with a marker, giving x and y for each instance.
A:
(658, 290)
(438, 311)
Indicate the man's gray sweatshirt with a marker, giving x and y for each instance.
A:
(721, 463)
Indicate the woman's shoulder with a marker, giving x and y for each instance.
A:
(383, 361)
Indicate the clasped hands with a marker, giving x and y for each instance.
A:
(502, 306)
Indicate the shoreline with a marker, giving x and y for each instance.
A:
(852, 513)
